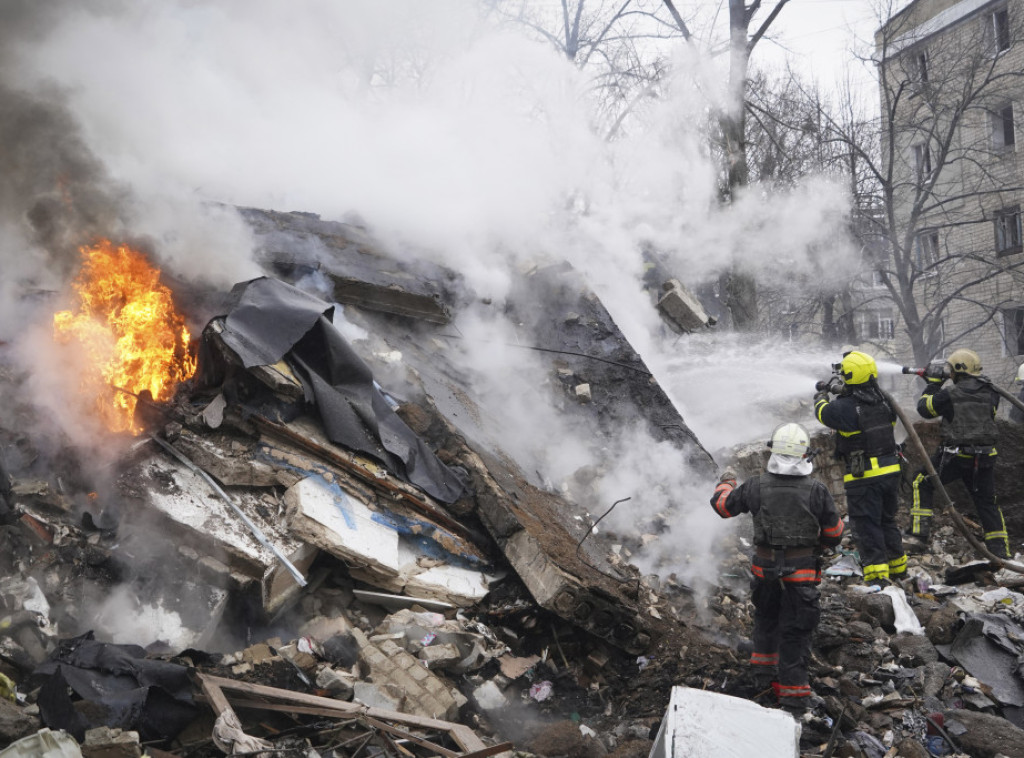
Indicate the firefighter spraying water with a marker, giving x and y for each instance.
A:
(967, 449)
(864, 420)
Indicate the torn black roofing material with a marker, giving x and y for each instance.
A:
(271, 320)
(127, 690)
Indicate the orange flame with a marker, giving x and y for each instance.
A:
(133, 337)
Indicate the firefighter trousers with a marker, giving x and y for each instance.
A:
(978, 475)
(785, 617)
(872, 505)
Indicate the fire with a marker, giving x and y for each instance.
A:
(126, 322)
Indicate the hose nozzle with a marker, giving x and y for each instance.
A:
(918, 371)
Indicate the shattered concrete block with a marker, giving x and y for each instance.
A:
(583, 393)
(681, 309)
(388, 664)
(439, 656)
(554, 590)
(14, 722)
(258, 653)
(322, 628)
(373, 695)
(305, 661)
(489, 697)
(192, 513)
(338, 684)
(104, 742)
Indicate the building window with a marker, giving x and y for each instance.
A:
(877, 278)
(875, 324)
(920, 64)
(1003, 132)
(1008, 230)
(926, 251)
(915, 65)
(1013, 330)
(997, 30)
(922, 162)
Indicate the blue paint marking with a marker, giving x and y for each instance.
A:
(318, 473)
(416, 531)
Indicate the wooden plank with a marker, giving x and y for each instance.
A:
(308, 710)
(214, 696)
(501, 747)
(463, 736)
(411, 737)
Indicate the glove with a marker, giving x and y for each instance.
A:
(729, 475)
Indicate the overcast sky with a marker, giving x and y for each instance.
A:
(822, 39)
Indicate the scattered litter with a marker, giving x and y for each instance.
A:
(490, 697)
(541, 691)
(46, 743)
(847, 565)
(643, 662)
(514, 668)
(906, 621)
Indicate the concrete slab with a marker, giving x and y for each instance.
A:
(186, 505)
(681, 309)
(701, 724)
(326, 516)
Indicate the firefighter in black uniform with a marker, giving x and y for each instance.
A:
(794, 515)
(968, 448)
(864, 422)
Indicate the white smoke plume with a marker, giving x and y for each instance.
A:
(440, 130)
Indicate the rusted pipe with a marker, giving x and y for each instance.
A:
(945, 501)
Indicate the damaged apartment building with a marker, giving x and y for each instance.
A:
(296, 466)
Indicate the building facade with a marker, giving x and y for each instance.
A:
(951, 76)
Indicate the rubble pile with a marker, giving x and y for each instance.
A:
(927, 668)
(314, 547)
(323, 546)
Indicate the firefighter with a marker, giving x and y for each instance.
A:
(1016, 414)
(968, 448)
(864, 423)
(794, 515)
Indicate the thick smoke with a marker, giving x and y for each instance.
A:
(444, 133)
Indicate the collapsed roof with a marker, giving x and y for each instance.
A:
(290, 441)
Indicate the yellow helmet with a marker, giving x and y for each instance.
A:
(964, 361)
(858, 368)
(790, 439)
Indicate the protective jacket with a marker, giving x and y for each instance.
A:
(865, 440)
(784, 518)
(968, 411)
(792, 516)
(973, 421)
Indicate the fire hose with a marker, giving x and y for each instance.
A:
(945, 503)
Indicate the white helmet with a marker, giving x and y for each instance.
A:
(790, 440)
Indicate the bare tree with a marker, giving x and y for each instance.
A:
(738, 287)
(618, 42)
(944, 174)
(788, 139)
